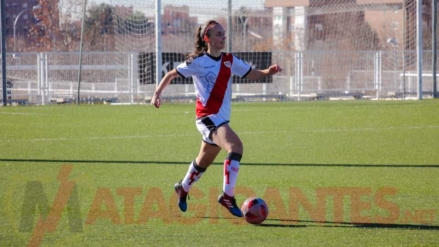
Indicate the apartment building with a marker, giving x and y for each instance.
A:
(300, 25)
(19, 16)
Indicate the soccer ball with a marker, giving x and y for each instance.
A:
(255, 210)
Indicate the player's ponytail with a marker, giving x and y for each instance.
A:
(200, 43)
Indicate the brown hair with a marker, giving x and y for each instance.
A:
(200, 44)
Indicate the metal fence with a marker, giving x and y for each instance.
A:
(43, 78)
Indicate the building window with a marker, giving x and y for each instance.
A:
(292, 28)
(318, 27)
(395, 25)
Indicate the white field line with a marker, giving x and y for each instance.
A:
(342, 130)
(29, 114)
(296, 130)
(96, 138)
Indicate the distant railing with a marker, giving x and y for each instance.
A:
(44, 78)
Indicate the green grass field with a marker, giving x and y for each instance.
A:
(357, 173)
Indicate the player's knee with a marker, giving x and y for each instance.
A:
(237, 148)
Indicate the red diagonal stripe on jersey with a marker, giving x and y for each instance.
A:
(216, 96)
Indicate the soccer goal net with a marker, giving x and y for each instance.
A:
(328, 49)
(332, 48)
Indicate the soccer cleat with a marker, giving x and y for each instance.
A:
(229, 202)
(182, 195)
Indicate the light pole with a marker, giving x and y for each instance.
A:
(15, 24)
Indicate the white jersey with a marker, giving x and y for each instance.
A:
(213, 82)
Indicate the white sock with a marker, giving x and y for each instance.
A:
(231, 170)
(193, 174)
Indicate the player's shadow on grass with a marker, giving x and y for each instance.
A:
(242, 221)
(70, 161)
(310, 223)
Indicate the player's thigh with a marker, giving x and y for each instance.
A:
(207, 154)
(226, 138)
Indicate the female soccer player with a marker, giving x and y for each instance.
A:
(212, 71)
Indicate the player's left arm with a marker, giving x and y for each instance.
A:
(257, 74)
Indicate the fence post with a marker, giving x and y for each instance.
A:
(48, 83)
(348, 81)
(132, 79)
(299, 70)
(45, 78)
(377, 72)
(39, 75)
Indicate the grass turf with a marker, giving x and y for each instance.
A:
(333, 173)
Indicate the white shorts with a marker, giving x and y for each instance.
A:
(207, 125)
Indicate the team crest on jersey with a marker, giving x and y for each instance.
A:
(227, 64)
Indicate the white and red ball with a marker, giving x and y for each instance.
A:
(254, 210)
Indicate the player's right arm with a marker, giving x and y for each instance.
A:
(166, 80)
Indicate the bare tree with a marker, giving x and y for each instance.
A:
(99, 28)
(43, 35)
(70, 25)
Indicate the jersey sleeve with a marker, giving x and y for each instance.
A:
(239, 67)
(187, 68)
